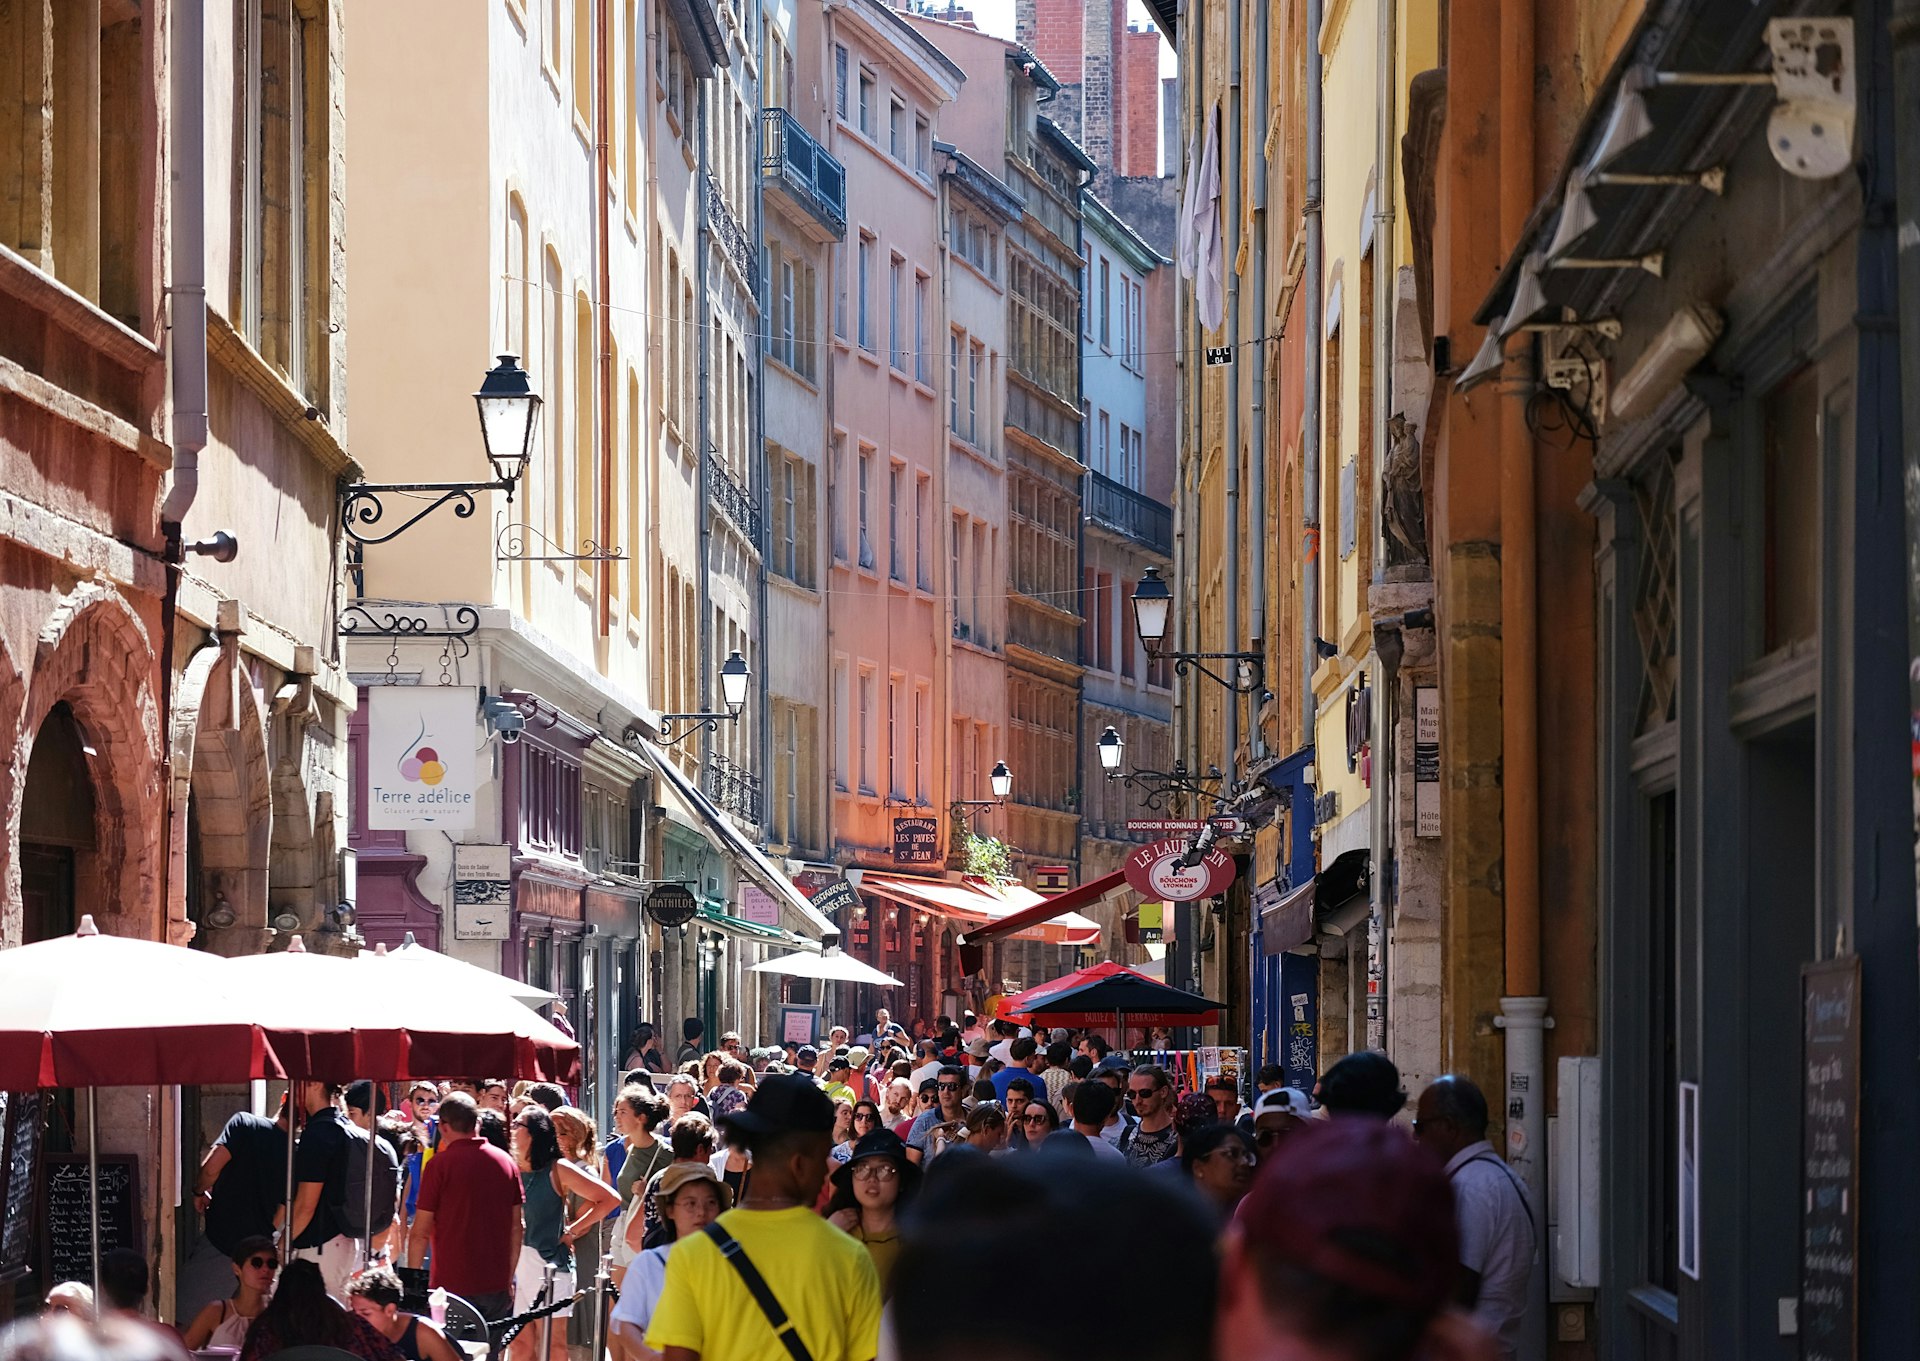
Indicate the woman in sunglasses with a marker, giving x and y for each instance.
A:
(224, 1322)
(864, 1121)
(1037, 1121)
(869, 1192)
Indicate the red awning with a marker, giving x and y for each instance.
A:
(999, 910)
(1085, 895)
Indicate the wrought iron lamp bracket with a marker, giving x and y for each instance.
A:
(363, 504)
(1183, 662)
(515, 543)
(1159, 787)
(458, 622)
(699, 722)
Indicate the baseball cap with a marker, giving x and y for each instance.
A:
(783, 1102)
(675, 1175)
(978, 1049)
(1284, 1101)
(1112, 1063)
(808, 1054)
(839, 1065)
(1358, 1204)
(1363, 1083)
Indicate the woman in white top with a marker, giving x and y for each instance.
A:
(224, 1322)
(691, 1196)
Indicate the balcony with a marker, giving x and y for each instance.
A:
(734, 789)
(796, 171)
(1119, 508)
(724, 491)
(727, 234)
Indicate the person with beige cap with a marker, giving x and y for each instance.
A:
(690, 1197)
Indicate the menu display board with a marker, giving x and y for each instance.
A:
(1829, 1158)
(20, 1161)
(66, 1237)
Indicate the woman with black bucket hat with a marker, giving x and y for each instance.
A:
(870, 1191)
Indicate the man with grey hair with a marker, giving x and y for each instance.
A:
(1498, 1235)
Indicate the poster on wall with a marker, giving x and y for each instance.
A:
(420, 749)
(758, 906)
(1426, 760)
(799, 1024)
(482, 891)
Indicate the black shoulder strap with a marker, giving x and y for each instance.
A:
(758, 1288)
(1513, 1180)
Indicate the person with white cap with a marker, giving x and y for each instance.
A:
(1277, 1114)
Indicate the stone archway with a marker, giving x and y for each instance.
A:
(13, 703)
(220, 820)
(94, 654)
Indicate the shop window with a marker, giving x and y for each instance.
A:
(1791, 571)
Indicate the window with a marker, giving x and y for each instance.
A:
(1136, 464)
(923, 531)
(922, 314)
(922, 145)
(922, 742)
(976, 361)
(1106, 303)
(838, 478)
(866, 291)
(1129, 638)
(840, 79)
(896, 316)
(1791, 572)
(896, 512)
(954, 344)
(791, 482)
(896, 686)
(866, 489)
(630, 160)
(548, 485)
(518, 286)
(583, 59)
(956, 576)
(585, 457)
(868, 93)
(843, 736)
(840, 289)
(869, 737)
(897, 131)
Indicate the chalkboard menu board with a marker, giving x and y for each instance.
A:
(20, 1164)
(65, 1226)
(1829, 1158)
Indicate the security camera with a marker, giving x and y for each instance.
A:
(510, 725)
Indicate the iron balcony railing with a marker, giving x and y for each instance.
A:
(732, 240)
(1118, 507)
(733, 498)
(791, 161)
(734, 788)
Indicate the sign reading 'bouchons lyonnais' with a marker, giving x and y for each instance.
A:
(1160, 872)
(420, 768)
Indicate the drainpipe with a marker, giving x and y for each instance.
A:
(1385, 703)
(187, 288)
(1523, 1010)
(603, 119)
(703, 237)
(1310, 388)
(1230, 221)
(1256, 406)
(1905, 29)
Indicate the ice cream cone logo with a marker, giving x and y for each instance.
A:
(421, 764)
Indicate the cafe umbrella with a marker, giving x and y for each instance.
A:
(1110, 992)
(830, 964)
(426, 967)
(92, 1010)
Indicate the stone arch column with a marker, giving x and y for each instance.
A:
(93, 652)
(13, 703)
(219, 754)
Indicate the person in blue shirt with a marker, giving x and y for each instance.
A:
(1028, 1062)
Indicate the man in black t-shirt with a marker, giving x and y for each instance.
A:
(318, 1226)
(242, 1182)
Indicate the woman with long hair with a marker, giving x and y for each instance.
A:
(728, 1094)
(689, 1198)
(842, 1132)
(1220, 1159)
(549, 1179)
(1037, 1121)
(224, 1323)
(863, 1118)
(869, 1192)
(580, 1145)
(637, 1113)
(302, 1314)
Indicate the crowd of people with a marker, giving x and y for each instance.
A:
(862, 1198)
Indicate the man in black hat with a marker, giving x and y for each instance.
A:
(1362, 1083)
(772, 1272)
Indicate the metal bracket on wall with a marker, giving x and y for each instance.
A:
(522, 543)
(457, 622)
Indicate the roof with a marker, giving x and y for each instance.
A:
(981, 184)
(1112, 227)
(1073, 150)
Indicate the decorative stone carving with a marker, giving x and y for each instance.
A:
(1403, 506)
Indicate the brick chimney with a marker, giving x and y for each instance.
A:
(1050, 29)
(1137, 97)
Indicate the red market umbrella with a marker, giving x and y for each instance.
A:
(325, 1017)
(457, 1027)
(1110, 992)
(92, 1010)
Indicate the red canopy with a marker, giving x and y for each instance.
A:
(1109, 993)
(1038, 914)
(91, 1010)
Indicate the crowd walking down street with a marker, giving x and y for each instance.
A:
(768, 1207)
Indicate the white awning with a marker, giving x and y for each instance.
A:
(731, 842)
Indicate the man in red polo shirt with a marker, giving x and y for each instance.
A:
(469, 1211)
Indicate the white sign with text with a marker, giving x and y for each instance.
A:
(420, 766)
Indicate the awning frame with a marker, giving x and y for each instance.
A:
(1081, 895)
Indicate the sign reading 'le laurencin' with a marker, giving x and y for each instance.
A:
(420, 767)
(1159, 871)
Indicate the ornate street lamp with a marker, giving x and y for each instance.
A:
(1156, 786)
(1000, 780)
(734, 677)
(509, 420)
(1152, 603)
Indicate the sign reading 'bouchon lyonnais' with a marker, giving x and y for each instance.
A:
(420, 768)
(1159, 872)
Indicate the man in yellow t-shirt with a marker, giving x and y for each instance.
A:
(822, 1285)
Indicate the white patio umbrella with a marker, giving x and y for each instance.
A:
(828, 964)
(413, 955)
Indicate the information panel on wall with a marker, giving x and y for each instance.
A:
(1829, 1158)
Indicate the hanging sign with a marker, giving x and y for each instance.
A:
(835, 897)
(420, 767)
(1227, 824)
(916, 841)
(758, 906)
(1159, 871)
(672, 905)
(1052, 879)
(1218, 355)
(482, 892)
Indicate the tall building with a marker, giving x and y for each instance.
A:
(606, 593)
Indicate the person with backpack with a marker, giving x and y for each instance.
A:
(772, 1280)
(317, 1228)
(376, 1150)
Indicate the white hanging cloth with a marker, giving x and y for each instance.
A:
(1202, 257)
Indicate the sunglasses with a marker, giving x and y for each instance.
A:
(1033, 1119)
(949, 1086)
(1267, 1138)
(875, 1170)
(868, 1116)
(270, 1263)
(1135, 1093)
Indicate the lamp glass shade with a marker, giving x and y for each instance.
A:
(1001, 779)
(1111, 749)
(1152, 602)
(509, 417)
(733, 681)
